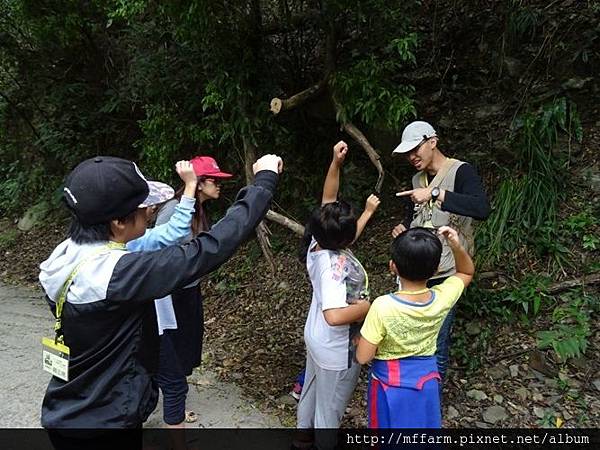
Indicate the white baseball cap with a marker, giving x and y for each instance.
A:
(413, 135)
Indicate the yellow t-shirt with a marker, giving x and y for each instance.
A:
(401, 328)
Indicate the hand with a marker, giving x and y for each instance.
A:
(419, 195)
(340, 150)
(372, 203)
(398, 230)
(185, 170)
(268, 162)
(451, 236)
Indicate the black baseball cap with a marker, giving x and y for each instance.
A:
(104, 188)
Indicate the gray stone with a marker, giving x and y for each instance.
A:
(287, 400)
(514, 370)
(523, 393)
(473, 329)
(498, 399)
(482, 425)
(452, 413)
(553, 399)
(567, 415)
(477, 395)
(596, 384)
(497, 372)
(33, 216)
(539, 412)
(576, 83)
(494, 414)
(283, 286)
(487, 111)
(537, 397)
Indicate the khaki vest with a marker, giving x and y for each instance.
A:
(429, 215)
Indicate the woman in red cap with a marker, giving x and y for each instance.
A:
(180, 316)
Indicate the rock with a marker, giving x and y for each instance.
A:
(567, 415)
(596, 384)
(283, 286)
(537, 361)
(287, 400)
(576, 83)
(553, 399)
(494, 414)
(452, 413)
(514, 370)
(33, 216)
(473, 329)
(482, 425)
(498, 398)
(540, 413)
(477, 395)
(537, 397)
(237, 376)
(487, 111)
(513, 66)
(523, 393)
(497, 372)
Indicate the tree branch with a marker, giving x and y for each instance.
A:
(359, 137)
(286, 222)
(278, 105)
(590, 279)
(262, 232)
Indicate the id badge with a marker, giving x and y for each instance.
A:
(55, 357)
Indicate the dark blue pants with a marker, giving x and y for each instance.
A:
(172, 381)
(444, 338)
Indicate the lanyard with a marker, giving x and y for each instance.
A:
(62, 297)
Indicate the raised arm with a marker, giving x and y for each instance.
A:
(465, 269)
(179, 224)
(370, 207)
(332, 180)
(144, 276)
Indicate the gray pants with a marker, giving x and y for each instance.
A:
(325, 395)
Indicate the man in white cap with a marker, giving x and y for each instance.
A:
(445, 191)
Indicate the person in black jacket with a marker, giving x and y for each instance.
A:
(106, 314)
(445, 192)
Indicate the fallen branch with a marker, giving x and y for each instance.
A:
(262, 232)
(286, 222)
(591, 279)
(278, 105)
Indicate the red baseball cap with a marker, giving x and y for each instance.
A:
(205, 166)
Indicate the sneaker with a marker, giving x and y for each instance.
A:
(296, 391)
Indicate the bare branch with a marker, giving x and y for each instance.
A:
(593, 278)
(286, 222)
(278, 105)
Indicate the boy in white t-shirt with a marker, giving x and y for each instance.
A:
(339, 303)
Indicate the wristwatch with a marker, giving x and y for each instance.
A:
(435, 193)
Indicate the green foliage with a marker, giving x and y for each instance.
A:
(8, 238)
(366, 92)
(524, 207)
(522, 23)
(570, 326)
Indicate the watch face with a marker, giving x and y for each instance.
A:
(435, 192)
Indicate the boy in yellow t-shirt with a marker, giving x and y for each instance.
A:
(400, 332)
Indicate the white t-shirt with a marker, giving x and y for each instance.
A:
(331, 275)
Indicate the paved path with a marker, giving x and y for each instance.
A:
(25, 318)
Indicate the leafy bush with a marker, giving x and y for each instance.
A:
(570, 327)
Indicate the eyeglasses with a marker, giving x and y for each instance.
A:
(214, 181)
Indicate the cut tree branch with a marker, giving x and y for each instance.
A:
(286, 222)
(278, 105)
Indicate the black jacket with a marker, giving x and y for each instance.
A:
(109, 321)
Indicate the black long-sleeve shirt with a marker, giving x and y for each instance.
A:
(468, 198)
